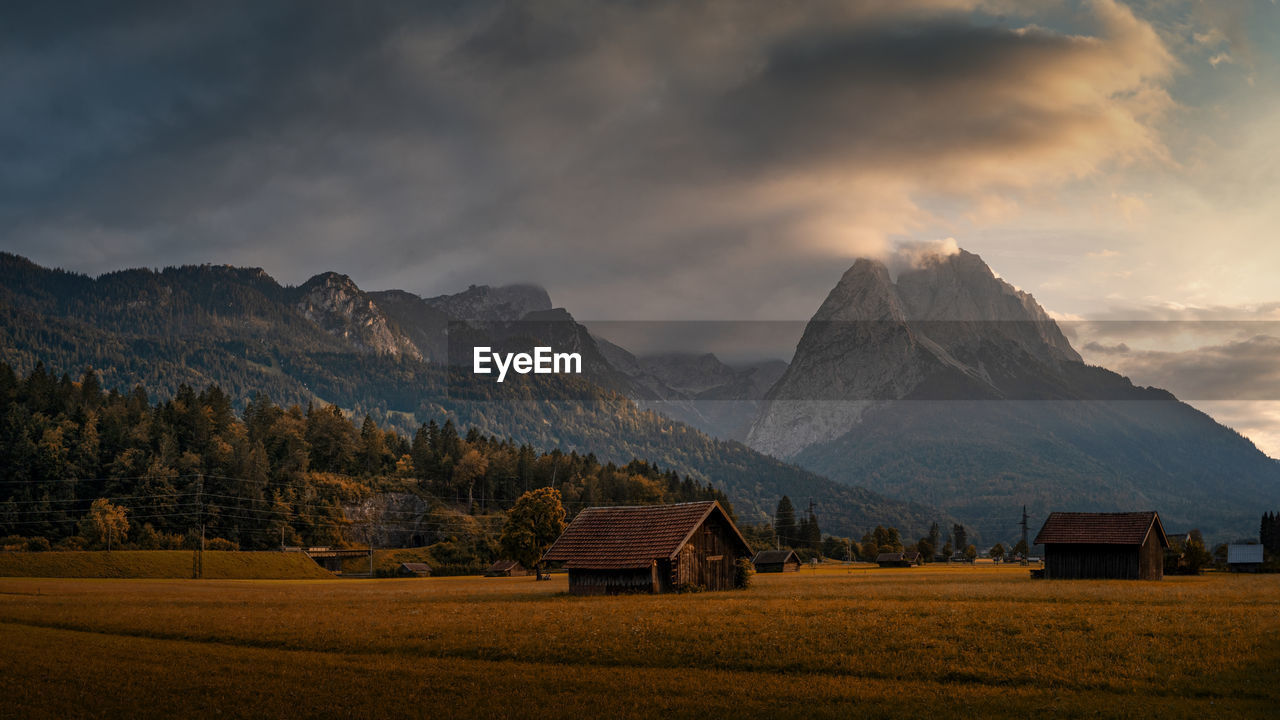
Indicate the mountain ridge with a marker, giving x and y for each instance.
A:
(951, 386)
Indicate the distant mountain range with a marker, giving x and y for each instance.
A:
(385, 353)
(944, 388)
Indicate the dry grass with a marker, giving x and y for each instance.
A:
(974, 641)
(160, 564)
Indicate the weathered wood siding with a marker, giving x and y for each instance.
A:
(792, 566)
(709, 560)
(613, 582)
(1151, 564)
(1074, 561)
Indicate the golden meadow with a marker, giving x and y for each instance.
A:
(839, 641)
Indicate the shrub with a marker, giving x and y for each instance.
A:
(220, 544)
(743, 571)
(13, 543)
(71, 542)
(38, 544)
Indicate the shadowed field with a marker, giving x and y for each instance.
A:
(161, 564)
(831, 643)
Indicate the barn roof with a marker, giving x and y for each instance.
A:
(1125, 528)
(776, 556)
(1244, 554)
(505, 565)
(416, 567)
(618, 538)
(889, 557)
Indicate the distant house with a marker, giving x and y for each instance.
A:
(959, 558)
(650, 549)
(892, 560)
(506, 568)
(775, 561)
(413, 570)
(913, 557)
(1244, 558)
(1127, 545)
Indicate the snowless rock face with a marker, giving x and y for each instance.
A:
(946, 329)
(333, 302)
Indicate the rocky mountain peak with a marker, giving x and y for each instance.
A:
(946, 326)
(506, 303)
(335, 303)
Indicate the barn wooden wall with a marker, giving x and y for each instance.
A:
(709, 559)
(1122, 562)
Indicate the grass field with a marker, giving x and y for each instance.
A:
(161, 564)
(945, 642)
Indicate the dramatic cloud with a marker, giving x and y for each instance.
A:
(665, 148)
(663, 160)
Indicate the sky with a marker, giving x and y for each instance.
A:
(662, 161)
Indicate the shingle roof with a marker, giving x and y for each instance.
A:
(416, 567)
(1127, 528)
(889, 557)
(616, 538)
(505, 565)
(775, 556)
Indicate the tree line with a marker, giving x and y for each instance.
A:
(268, 476)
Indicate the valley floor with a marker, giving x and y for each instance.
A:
(833, 642)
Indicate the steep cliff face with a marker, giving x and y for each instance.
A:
(340, 308)
(946, 329)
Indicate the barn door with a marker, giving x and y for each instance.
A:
(687, 566)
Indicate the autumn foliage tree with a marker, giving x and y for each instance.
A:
(104, 525)
(535, 522)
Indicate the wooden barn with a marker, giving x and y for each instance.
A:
(772, 561)
(1244, 558)
(413, 569)
(650, 548)
(892, 560)
(1124, 546)
(506, 568)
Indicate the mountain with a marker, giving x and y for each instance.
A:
(385, 354)
(949, 386)
(698, 389)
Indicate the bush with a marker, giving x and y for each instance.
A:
(13, 543)
(220, 544)
(38, 544)
(743, 571)
(71, 542)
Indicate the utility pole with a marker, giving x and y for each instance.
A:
(197, 560)
(1025, 547)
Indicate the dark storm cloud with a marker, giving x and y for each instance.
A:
(661, 159)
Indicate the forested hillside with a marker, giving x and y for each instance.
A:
(240, 330)
(277, 474)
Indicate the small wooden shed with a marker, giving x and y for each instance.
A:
(1244, 558)
(898, 559)
(1123, 546)
(506, 568)
(413, 569)
(772, 561)
(650, 549)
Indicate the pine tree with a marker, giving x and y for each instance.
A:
(784, 519)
